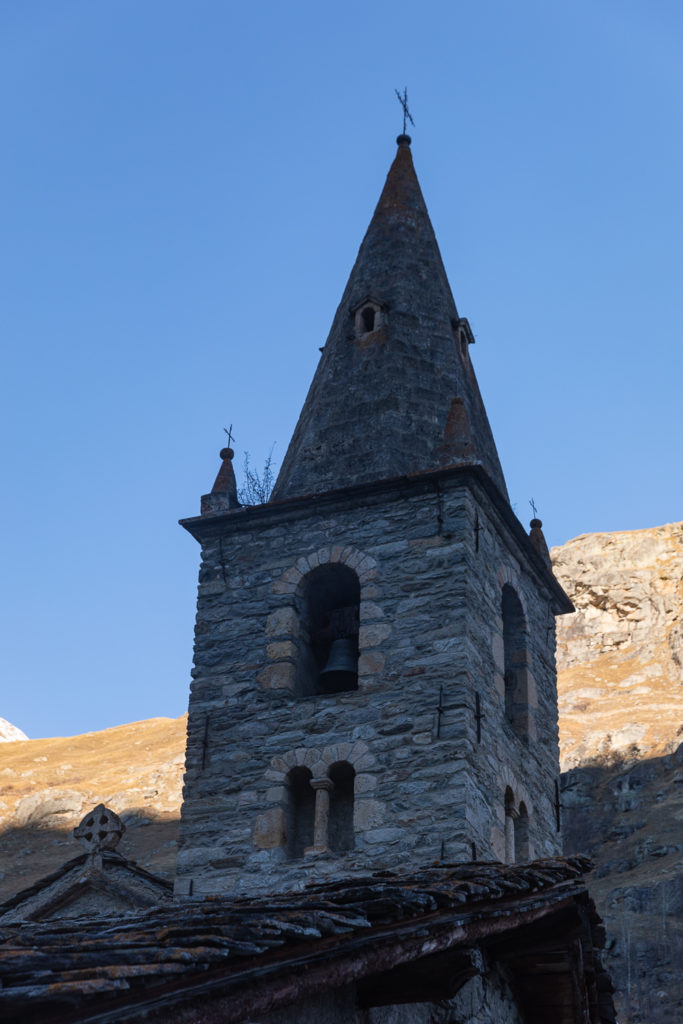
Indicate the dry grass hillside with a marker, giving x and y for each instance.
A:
(621, 707)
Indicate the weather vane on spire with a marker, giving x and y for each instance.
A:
(403, 100)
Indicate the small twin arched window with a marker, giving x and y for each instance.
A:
(517, 847)
(320, 811)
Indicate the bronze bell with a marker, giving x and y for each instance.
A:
(341, 670)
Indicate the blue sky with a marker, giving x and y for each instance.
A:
(185, 188)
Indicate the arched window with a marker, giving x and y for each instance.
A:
(368, 317)
(521, 823)
(516, 661)
(328, 639)
(510, 815)
(301, 812)
(340, 829)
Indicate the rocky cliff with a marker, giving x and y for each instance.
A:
(621, 708)
(620, 655)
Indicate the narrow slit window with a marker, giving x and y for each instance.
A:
(516, 663)
(510, 815)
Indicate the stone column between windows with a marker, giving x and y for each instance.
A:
(323, 787)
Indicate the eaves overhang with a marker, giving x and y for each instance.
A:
(205, 528)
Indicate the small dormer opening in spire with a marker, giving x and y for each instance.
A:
(462, 333)
(464, 345)
(368, 317)
(329, 606)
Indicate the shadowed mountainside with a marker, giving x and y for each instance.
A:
(628, 816)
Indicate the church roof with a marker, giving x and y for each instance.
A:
(112, 884)
(395, 391)
(99, 882)
(399, 937)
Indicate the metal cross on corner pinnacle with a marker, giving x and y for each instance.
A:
(228, 431)
(403, 100)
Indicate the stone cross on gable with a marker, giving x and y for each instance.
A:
(100, 830)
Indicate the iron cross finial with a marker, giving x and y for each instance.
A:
(228, 431)
(533, 507)
(403, 100)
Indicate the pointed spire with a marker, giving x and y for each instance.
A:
(395, 391)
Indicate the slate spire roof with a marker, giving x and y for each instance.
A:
(395, 392)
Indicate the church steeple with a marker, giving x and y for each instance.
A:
(395, 392)
(374, 679)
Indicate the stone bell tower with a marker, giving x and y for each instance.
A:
(374, 676)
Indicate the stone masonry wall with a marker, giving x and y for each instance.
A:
(528, 765)
(430, 637)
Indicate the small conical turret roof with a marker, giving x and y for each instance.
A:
(395, 391)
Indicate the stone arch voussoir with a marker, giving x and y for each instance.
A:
(318, 761)
(291, 580)
(508, 575)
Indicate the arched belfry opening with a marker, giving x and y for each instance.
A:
(329, 608)
(340, 828)
(300, 812)
(516, 659)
